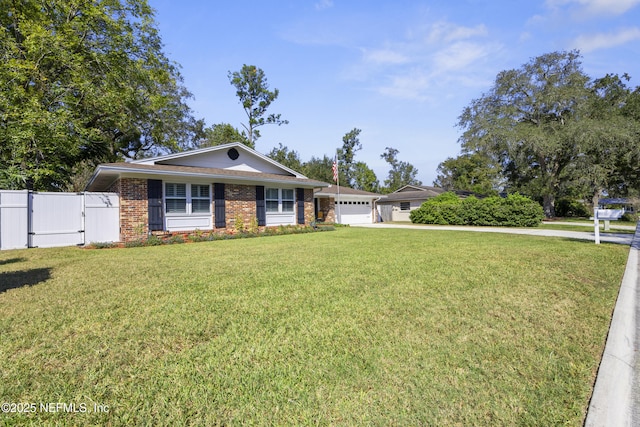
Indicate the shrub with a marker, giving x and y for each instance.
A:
(514, 211)
(521, 211)
(153, 241)
(448, 198)
(629, 216)
(176, 238)
(566, 207)
(134, 243)
(238, 224)
(102, 245)
(442, 209)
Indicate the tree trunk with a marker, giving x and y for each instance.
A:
(596, 198)
(549, 205)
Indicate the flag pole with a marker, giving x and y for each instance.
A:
(339, 214)
(337, 179)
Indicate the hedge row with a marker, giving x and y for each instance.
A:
(514, 210)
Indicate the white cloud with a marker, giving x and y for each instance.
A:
(324, 4)
(589, 43)
(385, 56)
(459, 56)
(430, 58)
(448, 32)
(594, 8)
(411, 85)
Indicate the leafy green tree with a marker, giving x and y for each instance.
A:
(528, 120)
(554, 131)
(286, 157)
(319, 169)
(610, 151)
(469, 172)
(350, 145)
(253, 91)
(364, 178)
(84, 82)
(401, 173)
(222, 133)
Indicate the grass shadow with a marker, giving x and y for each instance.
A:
(11, 260)
(19, 279)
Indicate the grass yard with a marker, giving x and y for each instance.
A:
(350, 327)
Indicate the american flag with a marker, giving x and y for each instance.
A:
(335, 169)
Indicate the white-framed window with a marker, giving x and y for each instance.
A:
(175, 197)
(200, 198)
(187, 199)
(279, 200)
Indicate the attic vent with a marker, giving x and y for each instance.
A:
(233, 154)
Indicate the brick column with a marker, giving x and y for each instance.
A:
(328, 207)
(309, 211)
(134, 209)
(240, 202)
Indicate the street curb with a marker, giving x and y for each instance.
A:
(612, 399)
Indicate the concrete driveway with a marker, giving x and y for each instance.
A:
(609, 237)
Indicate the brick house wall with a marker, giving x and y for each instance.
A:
(134, 214)
(240, 203)
(309, 210)
(328, 208)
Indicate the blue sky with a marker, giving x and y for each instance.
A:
(401, 71)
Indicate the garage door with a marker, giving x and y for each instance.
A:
(355, 212)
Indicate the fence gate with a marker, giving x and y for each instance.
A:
(14, 219)
(386, 212)
(56, 220)
(33, 219)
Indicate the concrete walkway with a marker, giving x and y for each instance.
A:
(616, 396)
(609, 237)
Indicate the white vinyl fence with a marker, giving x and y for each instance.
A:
(33, 219)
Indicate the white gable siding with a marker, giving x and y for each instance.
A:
(220, 159)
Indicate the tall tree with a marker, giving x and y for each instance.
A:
(222, 133)
(529, 120)
(365, 178)
(84, 82)
(350, 145)
(470, 172)
(401, 173)
(286, 157)
(555, 131)
(318, 168)
(253, 91)
(610, 149)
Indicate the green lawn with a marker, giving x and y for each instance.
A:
(349, 327)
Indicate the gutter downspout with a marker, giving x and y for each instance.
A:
(375, 208)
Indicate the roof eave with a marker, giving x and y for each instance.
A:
(222, 176)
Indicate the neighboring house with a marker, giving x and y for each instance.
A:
(206, 189)
(398, 205)
(345, 205)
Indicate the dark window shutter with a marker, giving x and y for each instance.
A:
(261, 209)
(218, 200)
(300, 200)
(154, 200)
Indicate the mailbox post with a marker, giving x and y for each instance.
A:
(606, 215)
